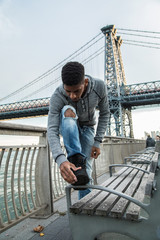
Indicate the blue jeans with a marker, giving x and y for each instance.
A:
(77, 140)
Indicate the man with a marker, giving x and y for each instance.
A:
(157, 138)
(72, 114)
(150, 142)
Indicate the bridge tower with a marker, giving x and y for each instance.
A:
(120, 122)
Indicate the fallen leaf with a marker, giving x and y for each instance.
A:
(38, 229)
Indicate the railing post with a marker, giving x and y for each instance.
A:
(94, 173)
(44, 180)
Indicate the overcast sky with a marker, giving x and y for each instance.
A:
(35, 35)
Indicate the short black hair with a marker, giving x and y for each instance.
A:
(72, 73)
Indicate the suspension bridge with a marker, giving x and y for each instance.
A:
(122, 97)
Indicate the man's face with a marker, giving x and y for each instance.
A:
(75, 92)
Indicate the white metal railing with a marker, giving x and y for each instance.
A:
(25, 177)
(58, 182)
(18, 193)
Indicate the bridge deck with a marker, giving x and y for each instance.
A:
(130, 96)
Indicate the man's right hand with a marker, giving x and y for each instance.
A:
(67, 173)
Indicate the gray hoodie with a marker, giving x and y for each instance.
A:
(95, 96)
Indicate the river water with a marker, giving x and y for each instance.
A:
(8, 183)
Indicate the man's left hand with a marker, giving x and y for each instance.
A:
(95, 152)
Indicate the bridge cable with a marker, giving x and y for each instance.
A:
(133, 30)
(52, 69)
(129, 40)
(42, 88)
(85, 61)
(140, 45)
(138, 35)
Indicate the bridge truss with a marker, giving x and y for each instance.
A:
(120, 123)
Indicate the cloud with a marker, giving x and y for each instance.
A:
(7, 27)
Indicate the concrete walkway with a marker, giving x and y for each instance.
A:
(56, 227)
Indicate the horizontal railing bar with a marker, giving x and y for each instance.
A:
(43, 145)
(19, 133)
(121, 138)
(22, 146)
(11, 126)
(119, 143)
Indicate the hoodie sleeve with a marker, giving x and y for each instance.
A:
(104, 114)
(56, 104)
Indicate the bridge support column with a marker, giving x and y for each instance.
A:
(115, 79)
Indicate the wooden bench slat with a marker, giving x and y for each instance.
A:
(120, 207)
(77, 207)
(90, 207)
(154, 163)
(149, 184)
(107, 205)
(133, 211)
(141, 159)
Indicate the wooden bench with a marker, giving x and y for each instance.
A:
(123, 204)
(144, 156)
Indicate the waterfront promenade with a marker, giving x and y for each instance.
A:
(56, 227)
(31, 183)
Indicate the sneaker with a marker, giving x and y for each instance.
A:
(82, 177)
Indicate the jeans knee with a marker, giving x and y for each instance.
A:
(69, 111)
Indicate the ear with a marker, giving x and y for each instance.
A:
(86, 82)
